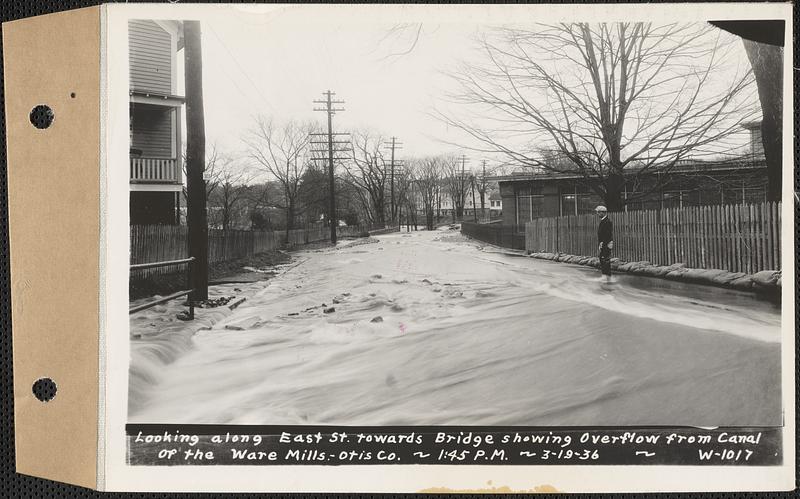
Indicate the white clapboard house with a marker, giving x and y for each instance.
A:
(155, 122)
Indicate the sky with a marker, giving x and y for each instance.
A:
(277, 66)
(275, 61)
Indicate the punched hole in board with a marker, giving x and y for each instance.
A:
(45, 389)
(42, 116)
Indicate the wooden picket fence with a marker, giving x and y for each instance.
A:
(738, 238)
(159, 243)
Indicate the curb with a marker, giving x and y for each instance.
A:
(767, 282)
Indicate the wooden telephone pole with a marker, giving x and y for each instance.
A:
(393, 145)
(195, 161)
(329, 108)
(462, 187)
(482, 191)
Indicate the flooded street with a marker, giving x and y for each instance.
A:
(429, 328)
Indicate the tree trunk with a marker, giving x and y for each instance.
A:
(767, 62)
(380, 215)
(289, 219)
(615, 184)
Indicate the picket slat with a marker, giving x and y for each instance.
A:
(757, 238)
(778, 237)
(738, 238)
(724, 243)
(158, 243)
(771, 235)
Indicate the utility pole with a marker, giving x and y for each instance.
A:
(394, 145)
(196, 217)
(330, 110)
(474, 208)
(482, 190)
(462, 187)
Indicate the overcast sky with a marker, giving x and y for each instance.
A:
(277, 65)
(276, 61)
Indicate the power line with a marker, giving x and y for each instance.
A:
(394, 145)
(246, 75)
(330, 109)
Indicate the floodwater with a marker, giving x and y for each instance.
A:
(429, 328)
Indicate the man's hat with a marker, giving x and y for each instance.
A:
(600, 208)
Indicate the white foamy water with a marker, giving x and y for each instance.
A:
(431, 329)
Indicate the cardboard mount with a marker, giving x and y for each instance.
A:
(54, 230)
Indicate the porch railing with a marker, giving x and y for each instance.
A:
(155, 170)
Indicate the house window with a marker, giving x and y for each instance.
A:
(578, 204)
(569, 205)
(587, 203)
(529, 208)
(672, 199)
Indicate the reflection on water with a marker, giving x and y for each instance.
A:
(699, 292)
(431, 330)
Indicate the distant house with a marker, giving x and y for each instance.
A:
(444, 205)
(495, 201)
(527, 195)
(155, 122)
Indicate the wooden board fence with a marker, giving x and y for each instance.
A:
(158, 243)
(739, 238)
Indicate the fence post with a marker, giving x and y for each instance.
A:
(189, 271)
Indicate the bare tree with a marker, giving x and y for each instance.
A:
(404, 197)
(215, 163)
(456, 180)
(482, 184)
(258, 200)
(312, 194)
(231, 190)
(407, 35)
(424, 176)
(369, 171)
(616, 100)
(283, 152)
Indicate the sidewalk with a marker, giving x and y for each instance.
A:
(766, 282)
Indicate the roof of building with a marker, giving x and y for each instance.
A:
(684, 166)
(751, 125)
(177, 27)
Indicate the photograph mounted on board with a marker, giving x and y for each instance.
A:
(359, 221)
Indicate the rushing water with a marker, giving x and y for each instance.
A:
(431, 329)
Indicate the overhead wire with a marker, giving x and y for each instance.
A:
(242, 70)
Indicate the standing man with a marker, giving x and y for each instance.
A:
(605, 236)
